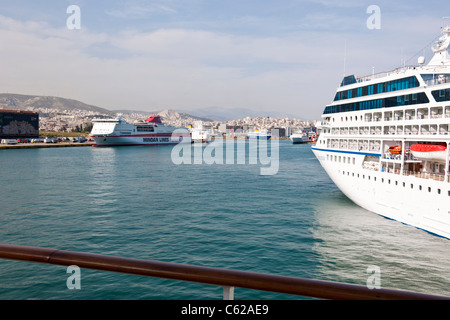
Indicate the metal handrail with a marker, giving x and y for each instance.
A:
(207, 275)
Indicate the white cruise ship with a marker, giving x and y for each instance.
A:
(118, 132)
(384, 141)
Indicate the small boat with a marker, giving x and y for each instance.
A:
(434, 152)
(395, 150)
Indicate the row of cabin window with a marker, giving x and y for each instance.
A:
(409, 99)
(338, 159)
(389, 86)
(438, 190)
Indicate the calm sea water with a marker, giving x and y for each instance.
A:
(135, 202)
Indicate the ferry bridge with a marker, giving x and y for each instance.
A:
(228, 279)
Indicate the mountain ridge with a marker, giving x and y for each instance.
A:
(25, 101)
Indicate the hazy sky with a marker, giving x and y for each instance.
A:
(283, 55)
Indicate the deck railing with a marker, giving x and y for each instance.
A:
(226, 278)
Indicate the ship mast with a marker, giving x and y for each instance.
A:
(441, 54)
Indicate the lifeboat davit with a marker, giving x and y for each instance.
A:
(435, 152)
(395, 150)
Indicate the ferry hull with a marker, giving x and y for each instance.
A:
(397, 197)
(117, 132)
(262, 137)
(105, 141)
(299, 140)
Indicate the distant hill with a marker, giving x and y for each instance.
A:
(166, 114)
(21, 102)
(226, 114)
(171, 114)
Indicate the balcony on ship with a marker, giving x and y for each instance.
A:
(436, 79)
(413, 168)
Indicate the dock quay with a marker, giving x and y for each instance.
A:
(46, 145)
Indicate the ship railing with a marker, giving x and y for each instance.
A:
(228, 279)
(426, 175)
(422, 175)
(385, 73)
(397, 157)
(437, 81)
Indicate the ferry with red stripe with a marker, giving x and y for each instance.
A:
(118, 132)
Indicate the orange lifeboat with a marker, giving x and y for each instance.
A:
(395, 149)
(434, 152)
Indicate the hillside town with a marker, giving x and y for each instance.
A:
(77, 120)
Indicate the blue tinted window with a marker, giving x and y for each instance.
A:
(417, 98)
(441, 95)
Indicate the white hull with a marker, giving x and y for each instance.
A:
(260, 135)
(404, 198)
(103, 141)
(297, 139)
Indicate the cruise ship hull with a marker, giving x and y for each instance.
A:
(403, 198)
(384, 141)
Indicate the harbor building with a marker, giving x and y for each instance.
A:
(16, 124)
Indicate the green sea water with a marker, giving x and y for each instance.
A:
(135, 202)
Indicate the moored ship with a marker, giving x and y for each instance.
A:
(118, 132)
(299, 138)
(384, 141)
(259, 135)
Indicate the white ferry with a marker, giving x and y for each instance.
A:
(259, 135)
(299, 137)
(384, 141)
(118, 132)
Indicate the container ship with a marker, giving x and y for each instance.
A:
(118, 132)
(384, 141)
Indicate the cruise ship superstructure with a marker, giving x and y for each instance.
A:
(384, 141)
(118, 132)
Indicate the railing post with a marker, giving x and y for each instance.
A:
(228, 293)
